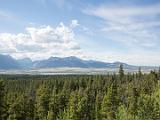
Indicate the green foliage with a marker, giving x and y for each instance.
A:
(77, 106)
(132, 96)
(110, 103)
(123, 114)
(2, 102)
(134, 102)
(42, 102)
(121, 73)
(148, 108)
(21, 109)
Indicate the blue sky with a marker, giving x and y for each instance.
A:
(107, 30)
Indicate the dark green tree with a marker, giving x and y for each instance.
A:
(98, 103)
(2, 102)
(20, 109)
(121, 73)
(139, 73)
(159, 73)
(134, 102)
(42, 102)
(148, 108)
(57, 105)
(110, 103)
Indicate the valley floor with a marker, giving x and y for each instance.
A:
(71, 71)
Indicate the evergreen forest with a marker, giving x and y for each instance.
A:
(118, 96)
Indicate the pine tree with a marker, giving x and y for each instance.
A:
(71, 113)
(121, 73)
(53, 107)
(134, 102)
(139, 73)
(98, 106)
(148, 108)
(110, 103)
(82, 109)
(42, 102)
(30, 107)
(123, 114)
(2, 107)
(18, 110)
(159, 73)
(78, 106)
(58, 103)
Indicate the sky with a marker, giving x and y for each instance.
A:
(105, 30)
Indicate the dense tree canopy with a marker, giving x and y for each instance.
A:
(123, 96)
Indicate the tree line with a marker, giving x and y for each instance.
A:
(122, 96)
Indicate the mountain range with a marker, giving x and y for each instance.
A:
(8, 63)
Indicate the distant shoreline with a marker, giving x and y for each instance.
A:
(72, 71)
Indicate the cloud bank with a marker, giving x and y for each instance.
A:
(42, 42)
(130, 25)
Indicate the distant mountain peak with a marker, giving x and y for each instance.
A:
(118, 62)
(68, 58)
(7, 62)
(25, 59)
(72, 58)
(53, 58)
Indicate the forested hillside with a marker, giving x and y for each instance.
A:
(132, 96)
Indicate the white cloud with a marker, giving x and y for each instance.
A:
(41, 42)
(132, 26)
(123, 14)
(74, 23)
(135, 57)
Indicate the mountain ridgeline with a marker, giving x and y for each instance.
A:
(8, 63)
